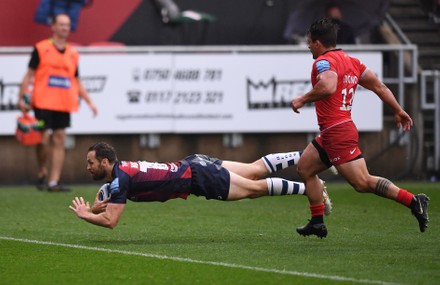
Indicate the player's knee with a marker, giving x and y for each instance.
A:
(58, 139)
(302, 171)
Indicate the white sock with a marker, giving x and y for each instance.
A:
(279, 186)
(282, 160)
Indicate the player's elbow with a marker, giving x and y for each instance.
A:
(112, 224)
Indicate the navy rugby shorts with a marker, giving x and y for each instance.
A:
(209, 178)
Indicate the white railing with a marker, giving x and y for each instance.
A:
(433, 77)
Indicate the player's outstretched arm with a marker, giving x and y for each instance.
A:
(108, 219)
(371, 82)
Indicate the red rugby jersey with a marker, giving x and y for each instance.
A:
(336, 108)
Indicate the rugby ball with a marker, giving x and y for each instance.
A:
(104, 192)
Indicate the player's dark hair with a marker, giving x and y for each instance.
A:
(324, 30)
(104, 150)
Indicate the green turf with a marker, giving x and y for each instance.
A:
(370, 239)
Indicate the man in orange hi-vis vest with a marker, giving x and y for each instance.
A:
(53, 72)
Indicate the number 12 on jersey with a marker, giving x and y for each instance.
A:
(347, 99)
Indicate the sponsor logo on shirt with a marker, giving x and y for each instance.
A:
(59, 82)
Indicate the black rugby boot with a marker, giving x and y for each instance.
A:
(319, 230)
(419, 208)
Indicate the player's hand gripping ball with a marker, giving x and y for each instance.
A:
(104, 192)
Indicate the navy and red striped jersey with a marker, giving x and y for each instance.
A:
(150, 181)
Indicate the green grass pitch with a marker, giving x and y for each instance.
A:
(371, 241)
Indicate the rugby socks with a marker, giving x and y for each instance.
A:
(317, 212)
(282, 160)
(280, 186)
(404, 197)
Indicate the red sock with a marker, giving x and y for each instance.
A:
(404, 197)
(317, 210)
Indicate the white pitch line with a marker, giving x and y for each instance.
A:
(215, 263)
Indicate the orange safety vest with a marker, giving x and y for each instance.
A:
(55, 84)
